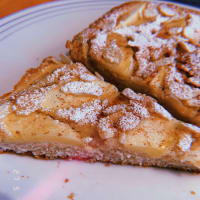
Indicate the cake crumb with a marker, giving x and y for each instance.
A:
(71, 196)
(107, 164)
(192, 192)
(66, 180)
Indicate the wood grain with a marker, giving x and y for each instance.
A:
(8, 7)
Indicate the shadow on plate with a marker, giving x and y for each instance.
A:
(4, 197)
(177, 172)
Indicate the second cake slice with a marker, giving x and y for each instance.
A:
(152, 48)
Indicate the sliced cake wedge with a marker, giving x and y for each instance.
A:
(61, 110)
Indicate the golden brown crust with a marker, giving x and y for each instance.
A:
(70, 106)
(163, 62)
(48, 65)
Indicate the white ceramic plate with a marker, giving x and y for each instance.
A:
(25, 39)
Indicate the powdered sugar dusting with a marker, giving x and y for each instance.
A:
(87, 77)
(84, 73)
(142, 35)
(87, 113)
(182, 91)
(192, 127)
(67, 73)
(4, 110)
(166, 10)
(153, 38)
(192, 31)
(139, 109)
(185, 142)
(123, 138)
(100, 40)
(4, 129)
(31, 101)
(51, 77)
(160, 110)
(144, 41)
(113, 53)
(87, 139)
(105, 103)
(179, 88)
(105, 128)
(80, 87)
(114, 109)
(66, 77)
(132, 95)
(128, 121)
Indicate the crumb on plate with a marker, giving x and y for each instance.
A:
(66, 180)
(107, 164)
(71, 196)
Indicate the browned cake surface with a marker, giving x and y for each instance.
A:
(62, 110)
(153, 48)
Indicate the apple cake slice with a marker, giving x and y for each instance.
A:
(151, 47)
(61, 110)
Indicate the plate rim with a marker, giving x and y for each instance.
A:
(72, 0)
(11, 22)
(13, 16)
(6, 19)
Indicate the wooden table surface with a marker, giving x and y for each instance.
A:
(8, 7)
